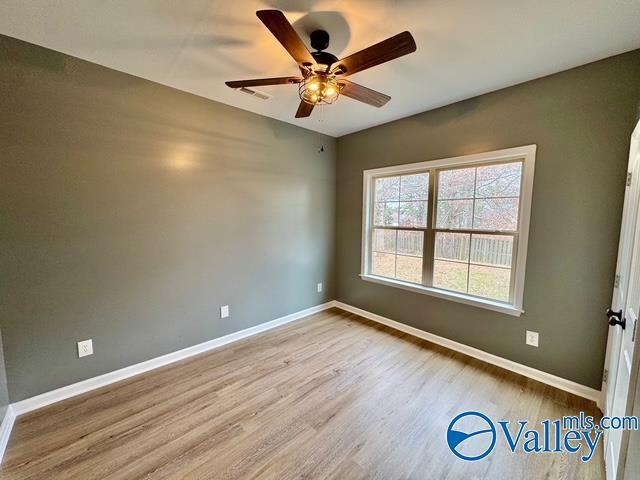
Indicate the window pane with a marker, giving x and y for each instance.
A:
(496, 189)
(452, 246)
(496, 214)
(450, 275)
(458, 183)
(387, 189)
(383, 264)
(409, 269)
(495, 250)
(386, 213)
(453, 214)
(413, 214)
(489, 282)
(414, 187)
(410, 243)
(499, 180)
(384, 240)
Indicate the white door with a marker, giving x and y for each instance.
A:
(619, 367)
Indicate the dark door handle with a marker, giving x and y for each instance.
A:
(615, 318)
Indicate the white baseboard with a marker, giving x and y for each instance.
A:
(39, 401)
(558, 382)
(5, 429)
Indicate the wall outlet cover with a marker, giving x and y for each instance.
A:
(320, 287)
(532, 338)
(85, 348)
(224, 311)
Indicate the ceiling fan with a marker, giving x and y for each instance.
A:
(323, 74)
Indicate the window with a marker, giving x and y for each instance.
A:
(454, 228)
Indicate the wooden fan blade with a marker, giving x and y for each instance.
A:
(280, 27)
(381, 52)
(304, 109)
(363, 94)
(258, 82)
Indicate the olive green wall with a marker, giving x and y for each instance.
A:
(581, 121)
(131, 211)
(4, 393)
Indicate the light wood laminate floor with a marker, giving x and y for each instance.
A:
(330, 396)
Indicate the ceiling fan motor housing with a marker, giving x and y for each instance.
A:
(319, 40)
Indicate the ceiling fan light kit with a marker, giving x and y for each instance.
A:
(323, 74)
(319, 88)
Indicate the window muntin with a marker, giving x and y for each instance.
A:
(466, 241)
(401, 204)
(480, 198)
(485, 197)
(477, 264)
(401, 200)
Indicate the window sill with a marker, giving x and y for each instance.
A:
(444, 294)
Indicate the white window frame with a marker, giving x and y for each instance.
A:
(527, 155)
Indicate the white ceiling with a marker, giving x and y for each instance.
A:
(465, 47)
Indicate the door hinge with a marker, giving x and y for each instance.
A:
(616, 282)
(628, 179)
(605, 376)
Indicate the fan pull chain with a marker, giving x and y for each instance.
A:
(320, 123)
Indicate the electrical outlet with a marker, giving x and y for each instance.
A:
(320, 287)
(224, 311)
(85, 348)
(532, 338)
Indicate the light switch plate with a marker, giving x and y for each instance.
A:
(85, 348)
(320, 287)
(532, 338)
(224, 311)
